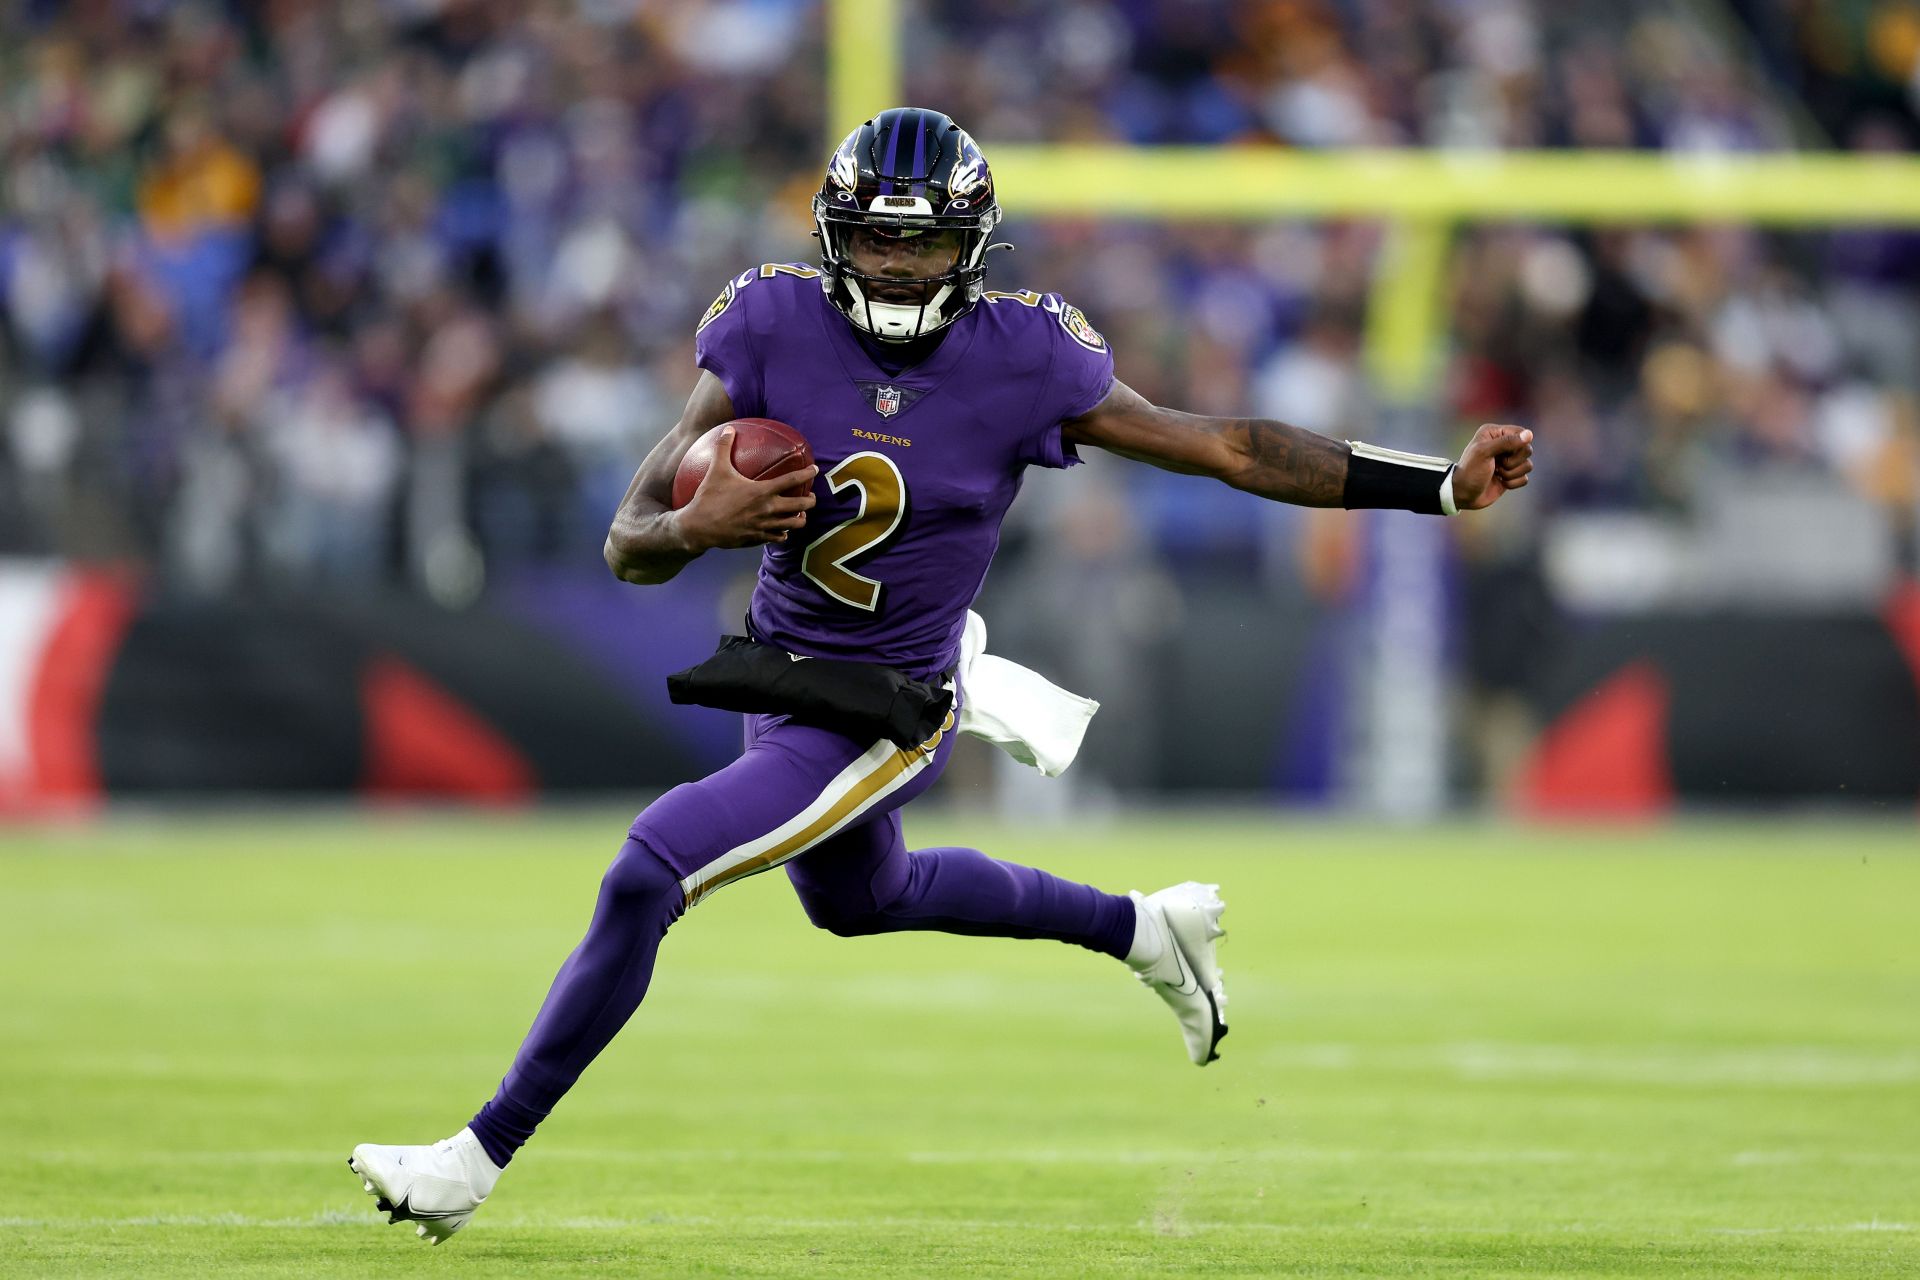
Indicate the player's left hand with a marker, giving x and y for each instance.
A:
(1497, 459)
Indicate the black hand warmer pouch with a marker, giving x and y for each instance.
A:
(862, 700)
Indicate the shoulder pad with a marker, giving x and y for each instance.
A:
(1072, 320)
(768, 270)
(752, 275)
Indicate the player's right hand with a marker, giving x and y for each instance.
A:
(729, 510)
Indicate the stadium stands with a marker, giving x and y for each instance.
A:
(351, 290)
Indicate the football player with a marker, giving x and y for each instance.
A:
(923, 396)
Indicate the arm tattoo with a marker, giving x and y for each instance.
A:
(1284, 463)
(1271, 459)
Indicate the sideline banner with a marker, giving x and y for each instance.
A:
(109, 691)
(1728, 708)
(60, 631)
(106, 691)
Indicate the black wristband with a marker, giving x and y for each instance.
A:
(1387, 479)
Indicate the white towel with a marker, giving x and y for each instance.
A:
(1020, 711)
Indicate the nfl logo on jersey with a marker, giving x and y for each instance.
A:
(887, 401)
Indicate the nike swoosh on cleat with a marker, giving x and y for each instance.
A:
(1189, 981)
(406, 1211)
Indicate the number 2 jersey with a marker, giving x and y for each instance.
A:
(917, 468)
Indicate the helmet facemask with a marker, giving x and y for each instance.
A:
(902, 231)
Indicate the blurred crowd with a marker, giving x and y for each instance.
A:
(398, 291)
(1745, 74)
(1656, 360)
(368, 290)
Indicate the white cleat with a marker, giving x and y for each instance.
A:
(437, 1187)
(1185, 975)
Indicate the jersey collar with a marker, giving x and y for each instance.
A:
(861, 368)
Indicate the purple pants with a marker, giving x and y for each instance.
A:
(826, 807)
(794, 790)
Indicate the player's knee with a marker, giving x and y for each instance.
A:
(853, 926)
(837, 916)
(640, 880)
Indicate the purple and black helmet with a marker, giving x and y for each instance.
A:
(908, 172)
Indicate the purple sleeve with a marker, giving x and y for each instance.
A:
(723, 346)
(1078, 379)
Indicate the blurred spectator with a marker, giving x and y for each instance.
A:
(603, 411)
(200, 183)
(335, 461)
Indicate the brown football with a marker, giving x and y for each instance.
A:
(762, 449)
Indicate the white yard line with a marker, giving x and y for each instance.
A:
(1775, 1066)
(366, 1218)
(1660, 1065)
(1273, 1155)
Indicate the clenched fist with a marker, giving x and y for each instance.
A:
(1497, 459)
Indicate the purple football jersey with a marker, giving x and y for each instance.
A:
(917, 469)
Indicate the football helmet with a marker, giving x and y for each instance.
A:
(904, 217)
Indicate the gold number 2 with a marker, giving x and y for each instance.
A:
(883, 507)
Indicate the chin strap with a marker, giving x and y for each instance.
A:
(870, 309)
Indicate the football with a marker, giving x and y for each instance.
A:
(762, 449)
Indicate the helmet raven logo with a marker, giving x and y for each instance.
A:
(846, 170)
(967, 176)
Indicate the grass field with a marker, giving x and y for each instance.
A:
(1472, 1052)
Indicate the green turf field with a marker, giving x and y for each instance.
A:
(1471, 1052)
